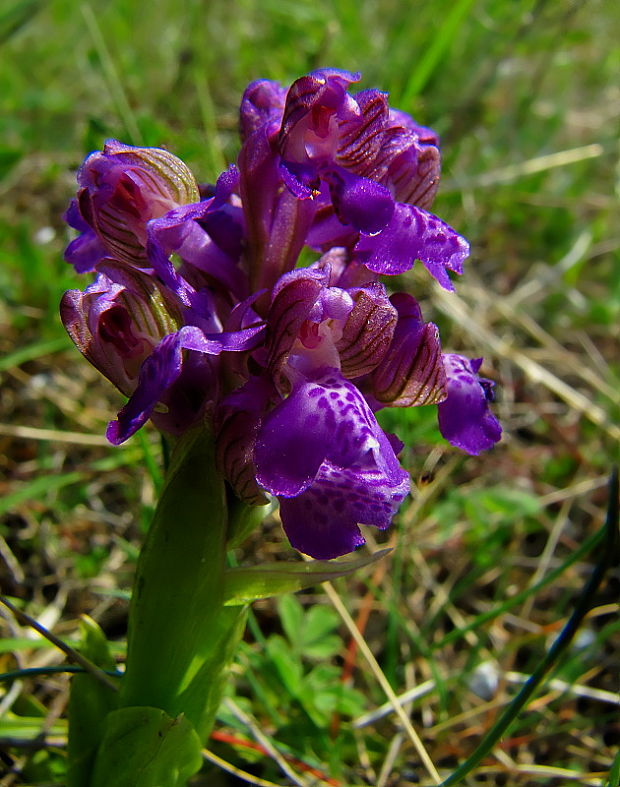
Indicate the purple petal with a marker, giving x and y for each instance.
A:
(84, 252)
(299, 180)
(293, 299)
(118, 320)
(188, 396)
(237, 423)
(290, 219)
(277, 221)
(415, 234)
(361, 136)
(186, 231)
(262, 102)
(159, 371)
(464, 417)
(413, 171)
(123, 187)
(227, 184)
(368, 331)
(292, 443)
(360, 202)
(328, 231)
(424, 135)
(192, 338)
(311, 101)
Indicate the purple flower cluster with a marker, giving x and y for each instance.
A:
(198, 309)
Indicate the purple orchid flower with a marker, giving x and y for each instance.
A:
(118, 320)
(132, 329)
(199, 309)
(309, 433)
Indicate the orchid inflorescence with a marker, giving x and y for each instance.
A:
(199, 311)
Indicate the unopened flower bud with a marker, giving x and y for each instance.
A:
(117, 321)
(122, 189)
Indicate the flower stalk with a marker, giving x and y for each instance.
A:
(181, 637)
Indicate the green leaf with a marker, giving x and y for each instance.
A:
(243, 585)
(292, 618)
(243, 519)
(309, 632)
(614, 773)
(324, 689)
(16, 16)
(319, 641)
(89, 703)
(144, 747)
(26, 729)
(286, 664)
(8, 156)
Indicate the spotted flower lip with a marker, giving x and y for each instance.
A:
(201, 309)
(347, 472)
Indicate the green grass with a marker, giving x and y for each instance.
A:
(493, 552)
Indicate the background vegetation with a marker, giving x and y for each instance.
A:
(525, 96)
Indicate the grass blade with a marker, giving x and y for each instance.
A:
(433, 54)
(582, 607)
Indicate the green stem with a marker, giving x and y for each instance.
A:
(180, 641)
(181, 637)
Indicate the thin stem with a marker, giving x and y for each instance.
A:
(33, 672)
(71, 654)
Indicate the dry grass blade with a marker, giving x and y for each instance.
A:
(571, 688)
(550, 772)
(53, 435)
(254, 728)
(243, 775)
(514, 172)
(408, 696)
(382, 680)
